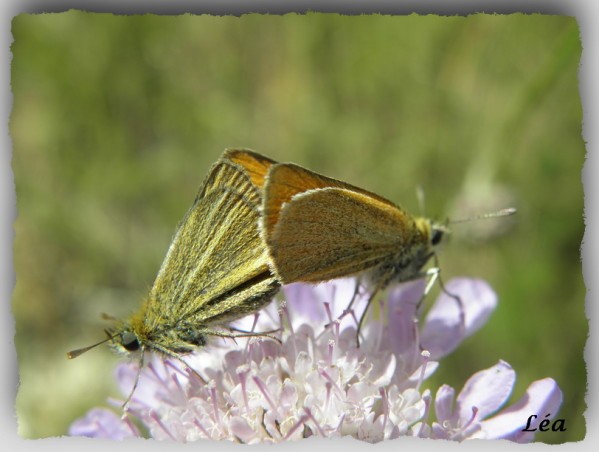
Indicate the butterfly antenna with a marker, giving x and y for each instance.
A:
(80, 351)
(499, 213)
(420, 197)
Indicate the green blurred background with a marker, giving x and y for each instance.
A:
(117, 119)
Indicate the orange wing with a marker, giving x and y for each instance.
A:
(285, 180)
(318, 228)
(256, 165)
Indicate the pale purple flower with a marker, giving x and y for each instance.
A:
(316, 381)
(103, 423)
(482, 396)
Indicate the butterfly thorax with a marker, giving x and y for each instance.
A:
(407, 262)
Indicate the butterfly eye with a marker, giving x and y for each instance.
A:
(436, 236)
(129, 341)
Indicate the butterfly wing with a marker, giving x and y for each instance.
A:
(253, 164)
(319, 228)
(286, 180)
(217, 268)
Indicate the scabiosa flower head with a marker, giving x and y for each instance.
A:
(316, 380)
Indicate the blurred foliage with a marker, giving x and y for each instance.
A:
(117, 118)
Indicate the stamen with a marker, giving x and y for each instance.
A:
(472, 418)
(264, 391)
(334, 385)
(427, 409)
(385, 402)
(331, 349)
(199, 425)
(313, 419)
(340, 424)
(214, 396)
(297, 425)
(131, 426)
(327, 308)
(426, 358)
(242, 372)
(179, 386)
(155, 417)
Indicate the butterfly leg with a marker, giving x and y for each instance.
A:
(141, 365)
(353, 298)
(379, 287)
(249, 334)
(433, 275)
(460, 303)
(347, 310)
(253, 333)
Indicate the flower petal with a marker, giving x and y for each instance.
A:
(402, 305)
(443, 328)
(543, 399)
(444, 403)
(241, 429)
(103, 423)
(486, 391)
(301, 302)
